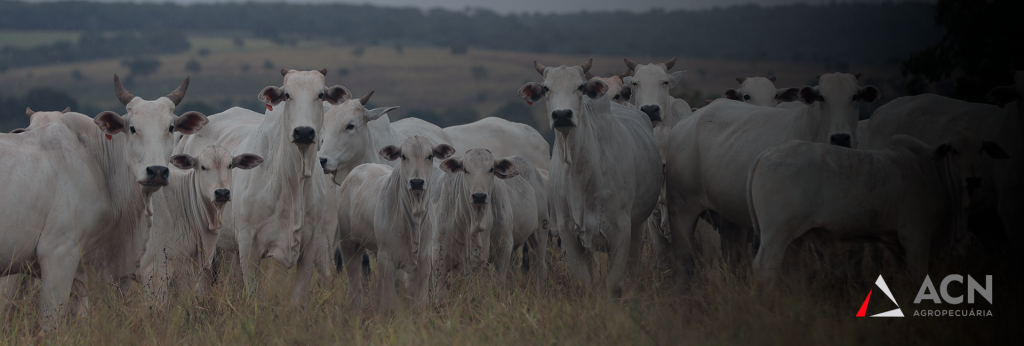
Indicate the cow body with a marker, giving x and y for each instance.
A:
(503, 138)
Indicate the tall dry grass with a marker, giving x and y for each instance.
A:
(721, 305)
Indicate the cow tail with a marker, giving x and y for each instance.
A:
(750, 202)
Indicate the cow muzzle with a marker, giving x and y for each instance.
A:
(479, 198)
(156, 176)
(416, 184)
(562, 119)
(653, 112)
(303, 135)
(840, 139)
(222, 195)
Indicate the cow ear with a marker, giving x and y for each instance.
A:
(504, 169)
(994, 150)
(451, 165)
(787, 94)
(18, 130)
(190, 122)
(531, 92)
(941, 152)
(337, 94)
(272, 95)
(111, 123)
(732, 94)
(1002, 95)
(246, 161)
(595, 88)
(809, 95)
(675, 77)
(443, 151)
(390, 153)
(376, 113)
(869, 94)
(184, 161)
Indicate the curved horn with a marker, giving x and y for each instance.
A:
(179, 93)
(670, 63)
(29, 112)
(284, 71)
(771, 78)
(122, 95)
(366, 98)
(323, 71)
(68, 109)
(630, 64)
(856, 75)
(540, 68)
(741, 79)
(624, 74)
(586, 66)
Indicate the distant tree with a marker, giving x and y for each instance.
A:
(267, 64)
(398, 49)
(76, 74)
(12, 108)
(981, 42)
(358, 51)
(479, 72)
(343, 71)
(459, 49)
(139, 67)
(246, 67)
(192, 65)
(204, 51)
(238, 42)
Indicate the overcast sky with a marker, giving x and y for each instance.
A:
(547, 6)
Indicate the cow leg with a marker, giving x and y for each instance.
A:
(386, 295)
(775, 240)
(58, 268)
(419, 281)
(624, 251)
(656, 239)
(578, 257)
(249, 261)
(503, 255)
(350, 251)
(79, 293)
(304, 275)
(682, 221)
(539, 242)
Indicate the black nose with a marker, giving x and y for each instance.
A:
(323, 162)
(562, 117)
(416, 184)
(479, 198)
(841, 139)
(222, 195)
(653, 111)
(303, 135)
(158, 174)
(973, 182)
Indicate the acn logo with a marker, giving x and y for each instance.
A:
(885, 289)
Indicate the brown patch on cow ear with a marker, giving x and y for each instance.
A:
(190, 122)
(994, 150)
(443, 151)
(451, 165)
(246, 161)
(809, 95)
(869, 94)
(732, 94)
(284, 72)
(1002, 95)
(111, 123)
(531, 92)
(390, 152)
(323, 71)
(184, 161)
(337, 94)
(29, 112)
(941, 152)
(68, 109)
(504, 169)
(595, 88)
(271, 95)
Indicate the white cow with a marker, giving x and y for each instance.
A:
(382, 209)
(82, 192)
(711, 152)
(760, 91)
(278, 208)
(931, 118)
(605, 172)
(909, 197)
(187, 217)
(486, 208)
(503, 138)
(649, 86)
(40, 119)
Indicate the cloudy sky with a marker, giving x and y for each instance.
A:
(546, 6)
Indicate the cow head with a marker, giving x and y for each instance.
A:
(966, 150)
(416, 162)
(347, 136)
(479, 169)
(40, 119)
(564, 87)
(298, 106)
(650, 85)
(761, 91)
(838, 98)
(212, 170)
(149, 128)
(619, 93)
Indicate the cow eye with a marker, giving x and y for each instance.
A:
(202, 167)
(580, 88)
(546, 89)
(131, 128)
(170, 129)
(403, 157)
(430, 157)
(492, 170)
(634, 83)
(230, 166)
(665, 83)
(321, 96)
(616, 97)
(286, 96)
(350, 126)
(746, 97)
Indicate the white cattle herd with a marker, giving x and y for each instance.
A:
(151, 197)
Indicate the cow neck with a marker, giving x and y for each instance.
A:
(404, 205)
(457, 214)
(380, 135)
(580, 147)
(273, 137)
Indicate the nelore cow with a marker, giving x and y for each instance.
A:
(709, 155)
(933, 119)
(619, 92)
(277, 209)
(605, 172)
(910, 197)
(40, 119)
(486, 208)
(83, 187)
(760, 91)
(382, 209)
(187, 217)
(649, 87)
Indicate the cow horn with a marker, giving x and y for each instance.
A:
(588, 76)
(771, 78)
(670, 63)
(122, 95)
(68, 109)
(856, 75)
(179, 93)
(540, 68)
(284, 71)
(741, 79)
(586, 66)
(366, 98)
(624, 74)
(323, 71)
(817, 76)
(29, 112)
(630, 64)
